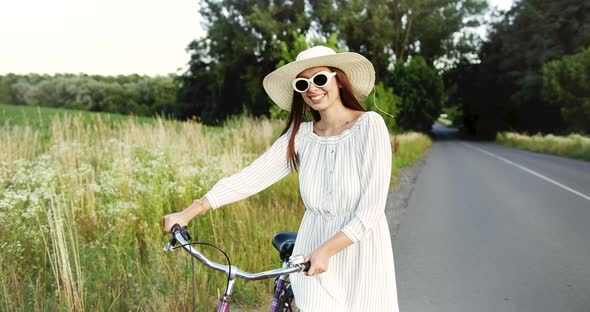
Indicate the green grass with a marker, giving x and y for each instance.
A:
(40, 117)
(410, 147)
(573, 145)
(83, 199)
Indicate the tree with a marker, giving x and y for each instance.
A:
(566, 83)
(242, 45)
(509, 78)
(388, 31)
(246, 40)
(421, 91)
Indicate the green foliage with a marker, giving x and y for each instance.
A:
(566, 83)
(278, 113)
(138, 95)
(5, 91)
(288, 54)
(386, 31)
(504, 91)
(248, 39)
(242, 45)
(384, 101)
(300, 43)
(454, 114)
(421, 91)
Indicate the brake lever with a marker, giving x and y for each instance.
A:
(184, 233)
(170, 245)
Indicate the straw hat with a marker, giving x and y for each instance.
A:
(358, 70)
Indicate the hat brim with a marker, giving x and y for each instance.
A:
(359, 71)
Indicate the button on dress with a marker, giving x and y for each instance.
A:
(343, 181)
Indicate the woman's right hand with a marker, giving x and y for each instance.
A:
(182, 218)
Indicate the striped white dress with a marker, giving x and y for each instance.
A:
(344, 181)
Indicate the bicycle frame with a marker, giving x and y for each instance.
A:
(293, 265)
(280, 288)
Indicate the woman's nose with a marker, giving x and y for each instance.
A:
(313, 87)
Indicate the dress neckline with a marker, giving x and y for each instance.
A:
(338, 137)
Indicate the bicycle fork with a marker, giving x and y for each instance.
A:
(280, 289)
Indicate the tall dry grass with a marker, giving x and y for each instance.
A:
(407, 148)
(573, 145)
(82, 205)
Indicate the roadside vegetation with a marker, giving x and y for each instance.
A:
(83, 199)
(573, 145)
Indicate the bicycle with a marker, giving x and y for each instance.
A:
(283, 242)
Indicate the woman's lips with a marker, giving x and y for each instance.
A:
(316, 99)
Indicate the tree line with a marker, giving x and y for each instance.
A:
(531, 73)
(403, 39)
(131, 94)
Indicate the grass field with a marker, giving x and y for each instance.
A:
(573, 145)
(82, 201)
(41, 117)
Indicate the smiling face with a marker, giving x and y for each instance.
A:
(321, 98)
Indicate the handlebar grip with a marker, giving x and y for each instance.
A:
(306, 266)
(175, 227)
(183, 231)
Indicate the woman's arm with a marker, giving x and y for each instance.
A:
(267, 169)
(182, 218)
(375, 180)
(320, 258)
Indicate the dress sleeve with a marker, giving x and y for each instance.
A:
(267, 169)
(375, 179)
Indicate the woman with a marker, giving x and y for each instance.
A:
(344, 164)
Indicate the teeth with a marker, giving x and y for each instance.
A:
(315, 98)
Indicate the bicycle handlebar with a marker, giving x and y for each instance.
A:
(180, 235)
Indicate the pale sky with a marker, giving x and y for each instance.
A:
(104, 37)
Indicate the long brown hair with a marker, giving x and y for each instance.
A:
(299, 108)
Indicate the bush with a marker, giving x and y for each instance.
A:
(572, 145)
(384, 101)
(566, 82)
(422, 93)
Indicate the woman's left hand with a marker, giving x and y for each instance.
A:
(319, 259)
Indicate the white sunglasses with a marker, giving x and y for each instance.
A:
(320, 79)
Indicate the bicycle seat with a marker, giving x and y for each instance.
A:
(284, 243)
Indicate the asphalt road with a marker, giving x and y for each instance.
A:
(489, 228)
